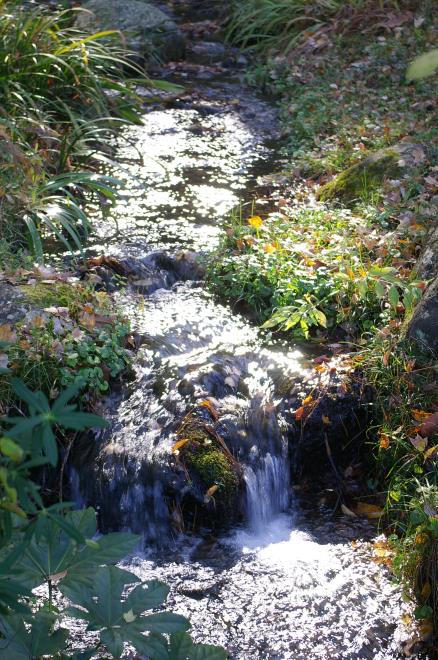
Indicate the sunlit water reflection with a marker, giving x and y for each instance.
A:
(272, 588)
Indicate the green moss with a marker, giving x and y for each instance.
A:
(363, 179)
(59, 294)
(213, 468)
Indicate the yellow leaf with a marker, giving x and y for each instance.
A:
(419, 442)
(308, 400)
(255, 221)
(178, 445)
(369, 510)
(268, 248)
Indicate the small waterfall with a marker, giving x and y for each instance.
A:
(267, 489)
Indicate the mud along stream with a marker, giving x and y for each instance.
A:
(281, 582)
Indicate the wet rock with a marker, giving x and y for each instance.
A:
(332, 434)
(207, 52)
(371, 172)
(423, 325)
(13, 305)
(147, 30)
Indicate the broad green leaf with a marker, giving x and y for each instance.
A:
(147, 596)
(393, 296)
(113, 641)
(164, 622)
(207, 652)
(380, 290)
(80, 421)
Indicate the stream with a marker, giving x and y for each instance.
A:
(290, 580)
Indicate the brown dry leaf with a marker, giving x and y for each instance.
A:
(211, 491)
(347, 512)
(178, 445)
(430, 426)
(57, 311)
(38, 321)
(369, 510)
(7, 334)
(88, 320)
(326, 420)
(426, 590)
(419, 442)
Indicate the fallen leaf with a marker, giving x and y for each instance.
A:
(431, 453)
(383, 440)
(369, 510)
(7, 334)
(419, 442)
(178, 445)
(211, 491)
(430, 426)
(347, 512)
(299, 413)
(420, 415)
(213, 412)
(326, 420)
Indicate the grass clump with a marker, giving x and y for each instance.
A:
(405, 441)
(63, 92)
(69, 336)
(315, 268)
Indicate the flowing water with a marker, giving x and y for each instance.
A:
(285, 583)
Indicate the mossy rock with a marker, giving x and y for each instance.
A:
(214, 469)
(362, 179)
(57, 293)
(366, 177)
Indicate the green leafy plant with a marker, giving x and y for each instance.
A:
(60, 549)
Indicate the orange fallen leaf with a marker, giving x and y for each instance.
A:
(420, 415)
(213, 412)
(178, 445)
(299, 413)
(211, 491)
(383, 440)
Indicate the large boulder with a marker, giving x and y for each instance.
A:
(423, 326)
(147, 30)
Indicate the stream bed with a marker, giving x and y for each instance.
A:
(288, 582)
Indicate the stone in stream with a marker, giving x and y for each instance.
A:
(147, 30)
